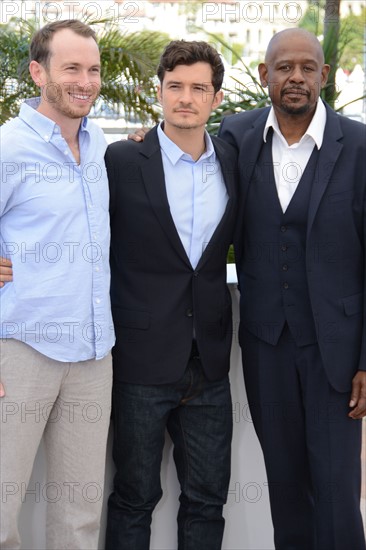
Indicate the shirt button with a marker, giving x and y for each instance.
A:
(189, 313)
(285, 286)
(97, 269)
(283, 228)
(284, 267)
(284, 247)
(97, 300)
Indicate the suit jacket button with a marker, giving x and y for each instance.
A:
(189, 313)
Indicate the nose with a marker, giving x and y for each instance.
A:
(87, 82)
(186, 95)
(84, 78)
(297, 75)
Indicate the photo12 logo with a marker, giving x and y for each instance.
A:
(49, 12)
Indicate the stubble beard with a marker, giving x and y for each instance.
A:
(66, 109)
(186, 125)
(62, 102)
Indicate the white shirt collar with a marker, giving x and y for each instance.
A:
(174, 153)
(315, 129)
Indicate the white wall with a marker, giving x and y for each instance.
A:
(248, 523)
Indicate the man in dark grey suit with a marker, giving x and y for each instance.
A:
(173, 204)
(300, 252)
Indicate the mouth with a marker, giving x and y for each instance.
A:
(295, 92)
(84, 98)
(185, 111)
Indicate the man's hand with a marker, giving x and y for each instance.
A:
(6, 275)
(139, 135)
(358, 396)
(6, 272)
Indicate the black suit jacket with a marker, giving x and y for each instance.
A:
(158, 299)
(336, 234)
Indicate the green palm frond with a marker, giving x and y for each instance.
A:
(129, 64)
(15, 83)
(241, 94)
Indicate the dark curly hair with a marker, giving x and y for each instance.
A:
(182, 52)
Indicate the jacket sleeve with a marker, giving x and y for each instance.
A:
(110, 166)
(225, 132)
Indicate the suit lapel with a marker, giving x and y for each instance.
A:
(328, 155)
(249, 150)
(153, 177)
(250, 147)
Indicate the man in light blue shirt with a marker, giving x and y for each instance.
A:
(55, 317)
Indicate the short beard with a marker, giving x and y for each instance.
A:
(66, 110)
(293, 110)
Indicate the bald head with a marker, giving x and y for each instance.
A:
(283, 40)
(294, 72)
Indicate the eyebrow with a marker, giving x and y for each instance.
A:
(206, 84)
(79, 64)
(292, 61)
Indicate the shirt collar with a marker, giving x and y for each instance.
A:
(315, 129)
(174, 153)
(41, 124)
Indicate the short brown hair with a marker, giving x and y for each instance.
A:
(39, 49)
(182, 52)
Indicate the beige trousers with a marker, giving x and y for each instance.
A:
(69, 405)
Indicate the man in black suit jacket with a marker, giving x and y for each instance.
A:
(300, 252)
(173, 203)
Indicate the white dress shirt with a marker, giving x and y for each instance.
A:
(289, 161)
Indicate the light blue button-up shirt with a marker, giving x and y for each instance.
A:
(54, 226)
(196, 193)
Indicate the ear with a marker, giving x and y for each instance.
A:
(37, 73)
(219, 96)
(159, 94)
(263, 74)
(325, 73)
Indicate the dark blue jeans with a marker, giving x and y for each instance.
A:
(198, 416)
